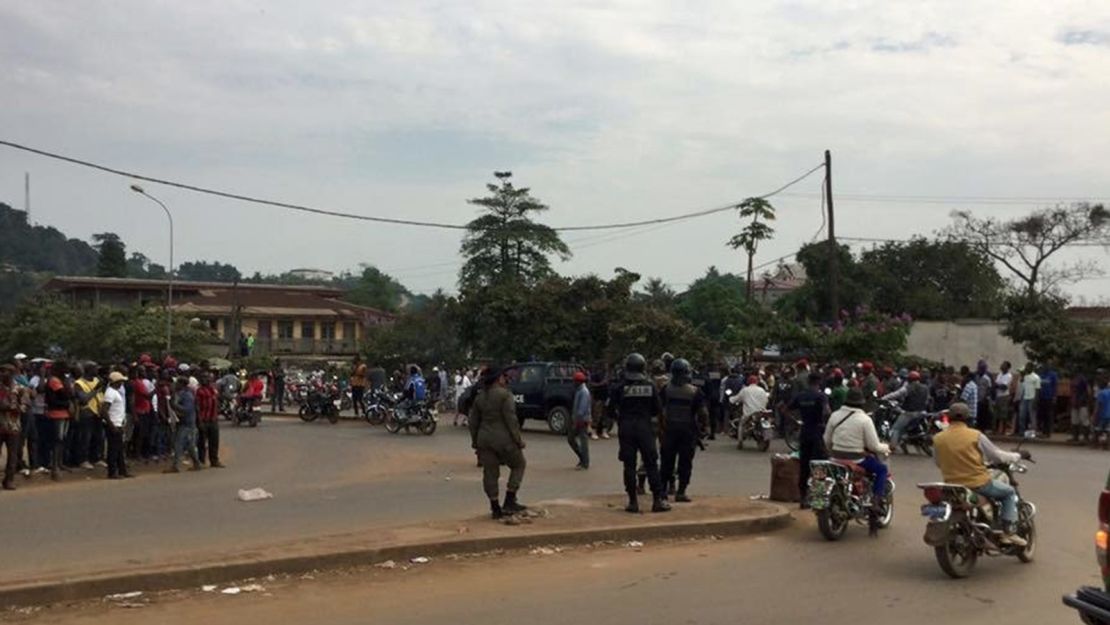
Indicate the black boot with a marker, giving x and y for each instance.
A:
(495, 509)
(511, 505)
(660, 504)
(680, 496)
(670, 488)
(633, 505)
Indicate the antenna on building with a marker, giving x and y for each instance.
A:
(27, 194)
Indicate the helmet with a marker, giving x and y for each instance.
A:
(915, 375)
(667, 359)
(657, 367)
(21, 356)
(680, 368)
(634, 364)
(903, 372)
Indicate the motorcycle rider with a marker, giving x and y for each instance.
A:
(914, 396)
(415, 391)
(684, 416)
(963, 453)
(869, 384)
(753, 398)
(635, 402)
(495, 436)
(850, 435)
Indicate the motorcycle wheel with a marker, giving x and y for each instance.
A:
(1027, 530)
(792, 436)
(375, 417)
(957, 557)
(392, 424)
(427, 427)
(888, 506)
(307, 415)
(926, 447)
(831, 528)
(763, 444)
(333, 416)
(255, 418)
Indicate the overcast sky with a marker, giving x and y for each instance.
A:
(609, 111)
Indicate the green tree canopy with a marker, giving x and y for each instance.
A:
(376, 289)
(204, 271)
(505, 244)
(714, 302)
(112, 255)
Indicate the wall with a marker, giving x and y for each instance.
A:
(963, 342)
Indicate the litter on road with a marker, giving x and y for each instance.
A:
(634, 544)
(388, 564)
(254, 494)
(420, 560)
(231, 590)
(125, 595)
(208, 587)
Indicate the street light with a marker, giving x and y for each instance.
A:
(169, 292)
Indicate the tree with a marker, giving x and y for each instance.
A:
(39, 248)
(932, 279)
(1024, 245)
(204, 271)
(112, 259)
(505, 245)
(656, 294)
(757, 209)
(377, 290)
(139, 266)
(428, 335)
(714, 302)
(1049, 334)
(811, 301)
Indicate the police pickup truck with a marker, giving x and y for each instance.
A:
(544, 390)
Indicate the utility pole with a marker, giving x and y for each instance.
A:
(27, 194)
(834, 255)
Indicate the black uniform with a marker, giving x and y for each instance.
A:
(636, 402)
(813, 406)
(684, 411)
(713, 399)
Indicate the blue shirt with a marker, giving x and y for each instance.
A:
(187, 402)
(1104, 404)
(1049, 380)
(970, 396)
(583, 409)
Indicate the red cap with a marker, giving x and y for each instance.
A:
(837, 373)
(915, 375)
(867, 366)
(753, 380)
(579, 377)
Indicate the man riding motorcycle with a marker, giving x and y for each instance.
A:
(753, 400)
(415, 391)
(914, 396)
(963, 453)
(850, 435)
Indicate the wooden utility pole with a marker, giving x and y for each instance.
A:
(834, 252)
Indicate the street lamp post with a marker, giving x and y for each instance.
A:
(169, 291)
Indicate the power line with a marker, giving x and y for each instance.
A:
(388, 220)
(1001, 200)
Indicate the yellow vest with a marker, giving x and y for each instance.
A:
(959, 457)
(88, 386)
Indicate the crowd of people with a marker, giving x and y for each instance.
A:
(59, 417)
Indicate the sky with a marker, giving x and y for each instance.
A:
(608, 111)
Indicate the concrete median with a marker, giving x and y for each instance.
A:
(556, 522)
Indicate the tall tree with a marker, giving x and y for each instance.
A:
(204, 271)
(714, 302)
(377, 290)
(760, 212)
(505, 245)
(112, 261)
(1024, 245)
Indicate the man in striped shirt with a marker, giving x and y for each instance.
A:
(208, 421)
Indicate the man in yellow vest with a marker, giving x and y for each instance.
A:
(963, 453)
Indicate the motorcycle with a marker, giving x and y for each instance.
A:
(378, 405)
(418, 415)
(320, 402)
(964, 525)
(247, 412)
(757, 427)
(918, 433)
(841, 491)
(228, 406)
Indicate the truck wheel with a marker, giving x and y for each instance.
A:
(558, 419)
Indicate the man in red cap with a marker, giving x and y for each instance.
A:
(578, 430)
(869, 385)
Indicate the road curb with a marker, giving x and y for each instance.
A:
(92, 586)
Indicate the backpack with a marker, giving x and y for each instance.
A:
(419, 388)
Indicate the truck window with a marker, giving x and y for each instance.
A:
(531, 375)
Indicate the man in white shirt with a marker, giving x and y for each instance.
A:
(114, 412)
(1027, 410)
(1002, 398)
(753, 398)
(850, 435)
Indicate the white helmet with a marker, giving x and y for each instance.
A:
(21, 356)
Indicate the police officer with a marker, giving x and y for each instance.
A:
(812, 406)
(712, 391)
(684, 415)
(495, 435)
(635, 402)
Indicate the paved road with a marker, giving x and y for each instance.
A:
(332, 479)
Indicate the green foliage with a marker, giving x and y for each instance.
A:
(16, 285)
(811, 300)
(760, 212)
(139, 266)
(656, 294)
(112, 255)
(39, 248)
(204, 271)
(45, 325)
(1049, 335)
(715, 303)
(862, 334)
(505, 245)
(427, 335)
(377, 290)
